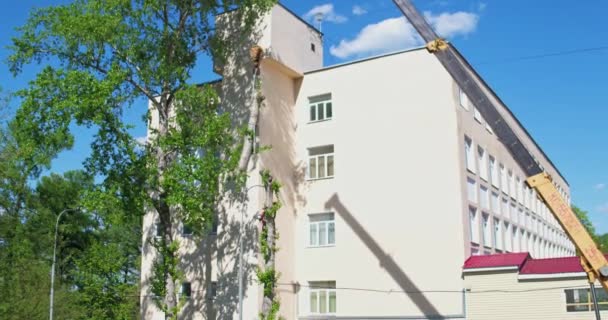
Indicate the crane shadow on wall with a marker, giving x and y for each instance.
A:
(386, 261)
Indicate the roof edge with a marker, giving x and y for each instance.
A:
(384, 55)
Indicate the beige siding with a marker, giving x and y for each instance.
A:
(500, 296)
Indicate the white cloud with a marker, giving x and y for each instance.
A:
(386, 35)
(328, 13)
(359, 10)
(396, 33)
(599, 186)
(452, 24)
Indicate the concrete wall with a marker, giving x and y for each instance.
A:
(396, 193)
(501, 296)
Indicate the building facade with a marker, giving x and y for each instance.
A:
(391, 179)
(516, 286)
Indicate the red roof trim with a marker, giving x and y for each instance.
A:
(525, 263)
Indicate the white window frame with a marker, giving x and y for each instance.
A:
(325, 157)
(469, 154)
(315, 102)
(472, 190)
(317, 290)
(473, 225)
(495, 202)
(463, 100)
(331, 221)
(504, 183)
(494, 172)
(477, 115)
(484, 197)
(498, 234)
(482, 158)
(487, 231)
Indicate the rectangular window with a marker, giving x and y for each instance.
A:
(483, 163)
(484, 197)
(321, 162)
(495, 203)
(212, 291)
(469, 154)
(321, 230)
(516, 246)
(320, 108)
(486, 229)
(472, 190)
(322, 299)
(521, 217)
(514, 216)
(477, 115)
(186, 290)
(497, 234)
(512, 192)
(520, 190)
(186, 229)
(505, 208)
(493, 172)
(526, 196)
(508, 237)
(463, 99)
(503, 179)
(473, 225)
(580, 300)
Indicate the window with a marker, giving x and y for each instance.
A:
(322, 297)
(322, 230)
(495, 203)
(511, 184)
(473, 225)
(514, 216)
(320, 108)
(486, 229)
(312, 47)
(526, 196)
(508, 237)
(186, 229)
(521, 217)
(185, 290)
(503, 179)
(477, 115)
(212, 291)
(463, 99)
(528, 221)
(472, 190)
(483, 163)
(321, 162)
(505, 208)
(493, 172)
(580, 299)
(520, 190)
(516, 246)
(469, 154)
(484, 197)
(497, 234)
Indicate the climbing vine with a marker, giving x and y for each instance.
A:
(267, 275)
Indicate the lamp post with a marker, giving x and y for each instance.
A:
(53, 265)
(241, 252)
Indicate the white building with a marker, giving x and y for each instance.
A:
(391, 180)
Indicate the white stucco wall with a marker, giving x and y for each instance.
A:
(396, 176)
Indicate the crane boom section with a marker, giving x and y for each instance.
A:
(455, 64)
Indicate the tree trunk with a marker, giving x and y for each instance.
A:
(164, 159)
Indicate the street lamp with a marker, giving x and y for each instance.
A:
(53, 265)
(241, 252)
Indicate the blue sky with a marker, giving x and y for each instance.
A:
(561, 99)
